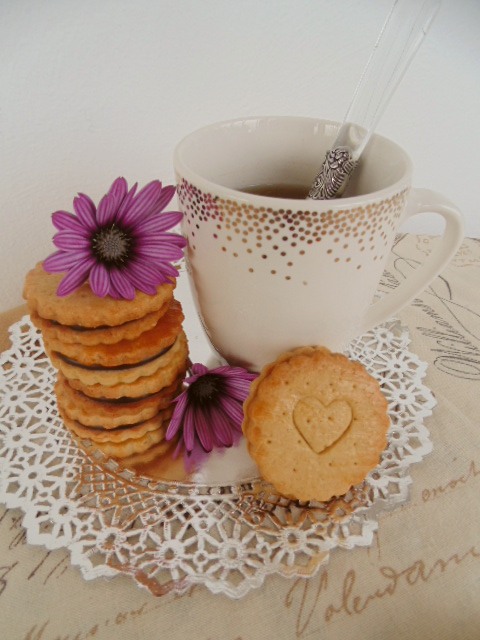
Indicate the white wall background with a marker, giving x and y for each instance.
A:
(93, 89)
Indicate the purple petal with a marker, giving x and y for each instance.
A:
(177, 416)
(142, 203)
(199, 369)
(162, 239)
(64, 260)
(154, 273)
(195, 458)
(222, 428)
(63, 220)
(166, 269)
(122, 284)
(177, 240)
(239, 389)
(99, 280)
(166, 195)
(118, 191)
(193, 378)
(239, 381)
(158, 237)
(106, 211)
(71, 240)
(113, 292)
(203, 430)
(85, 210)
(126, 202)
(146, 272)
(142, 285)
(161, 252)
(161, 222)
(188, 428)
(235, 372)
(75, 277)
(233, 409)
(178, 449)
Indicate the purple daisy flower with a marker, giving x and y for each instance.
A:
(119, 246)
(209, 413)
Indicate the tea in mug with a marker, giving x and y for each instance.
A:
(279, 190)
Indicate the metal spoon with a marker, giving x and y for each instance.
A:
(402, 33)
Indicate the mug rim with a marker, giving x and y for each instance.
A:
(182, 168)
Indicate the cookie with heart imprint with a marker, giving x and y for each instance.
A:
(316, 423)
(321, 425)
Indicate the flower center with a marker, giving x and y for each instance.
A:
(112, 246)
(205, 389)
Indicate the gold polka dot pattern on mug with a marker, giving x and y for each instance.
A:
(286, 234)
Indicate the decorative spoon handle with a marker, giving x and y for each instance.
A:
(402, 33)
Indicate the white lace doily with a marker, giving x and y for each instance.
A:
(169, 535)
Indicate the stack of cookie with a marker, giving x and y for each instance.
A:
(120, 363)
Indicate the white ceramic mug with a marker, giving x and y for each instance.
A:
(270, 274)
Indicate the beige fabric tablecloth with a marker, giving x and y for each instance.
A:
(419, 580)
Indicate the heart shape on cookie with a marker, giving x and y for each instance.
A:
(321, 425)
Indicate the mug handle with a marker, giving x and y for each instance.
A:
(420, 201)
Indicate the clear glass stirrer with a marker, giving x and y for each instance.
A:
(402, 33)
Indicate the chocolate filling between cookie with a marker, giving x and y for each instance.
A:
(125, 400)
(77, 327)
(119, 367)
(124, 427)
